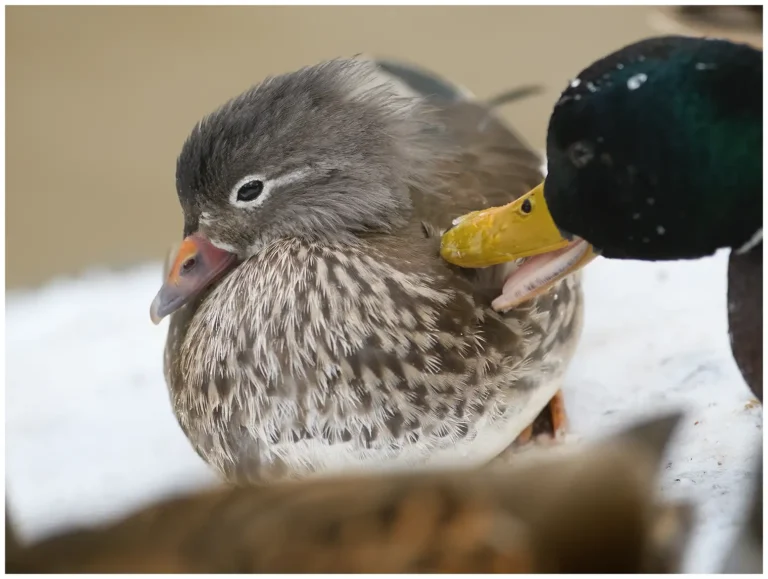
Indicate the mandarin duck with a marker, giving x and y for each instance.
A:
(314, 326)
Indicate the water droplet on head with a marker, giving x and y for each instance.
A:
(646, 240)
(650, 201)
(619, 66)
(591, 87)
(640, 58)
(575, 82)
(660, 230)
(636, 81)
(705, 66)
(635, 216)
(581, 153)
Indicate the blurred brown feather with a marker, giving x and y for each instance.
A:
(746, 554)
(593, 509)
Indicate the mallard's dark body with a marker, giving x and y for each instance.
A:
(745, 315)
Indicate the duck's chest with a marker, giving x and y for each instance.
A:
(318, 359)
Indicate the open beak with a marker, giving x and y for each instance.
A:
(198, 263)
(521, 229)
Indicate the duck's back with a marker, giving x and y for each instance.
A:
(494, 165)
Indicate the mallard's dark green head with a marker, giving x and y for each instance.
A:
(655, 151)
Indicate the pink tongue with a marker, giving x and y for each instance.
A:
(538, 273)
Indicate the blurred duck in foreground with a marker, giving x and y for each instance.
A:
(590, 508)
(654, 153)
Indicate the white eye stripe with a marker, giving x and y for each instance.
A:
(269, 186)
(224, 246)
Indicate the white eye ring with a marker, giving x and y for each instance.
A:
(268, 186)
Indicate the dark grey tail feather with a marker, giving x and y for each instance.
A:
(431, 85)
(422, 81)
(514, 94)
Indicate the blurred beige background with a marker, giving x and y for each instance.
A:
(100, 99)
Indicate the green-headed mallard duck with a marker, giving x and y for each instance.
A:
(314, 326)
(594, 510)
(654, 152)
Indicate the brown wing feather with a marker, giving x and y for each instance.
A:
(493, 168)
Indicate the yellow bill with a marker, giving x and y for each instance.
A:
(521, 229)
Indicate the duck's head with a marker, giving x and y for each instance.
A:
(654, 152)
(325, 152)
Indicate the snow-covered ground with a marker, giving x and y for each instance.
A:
(90, 434)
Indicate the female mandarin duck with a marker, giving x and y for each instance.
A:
(655, 152)
(314, 326)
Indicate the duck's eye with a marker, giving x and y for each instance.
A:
(188, 264)
(253, 190)
(250, 190)
(526, 207)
